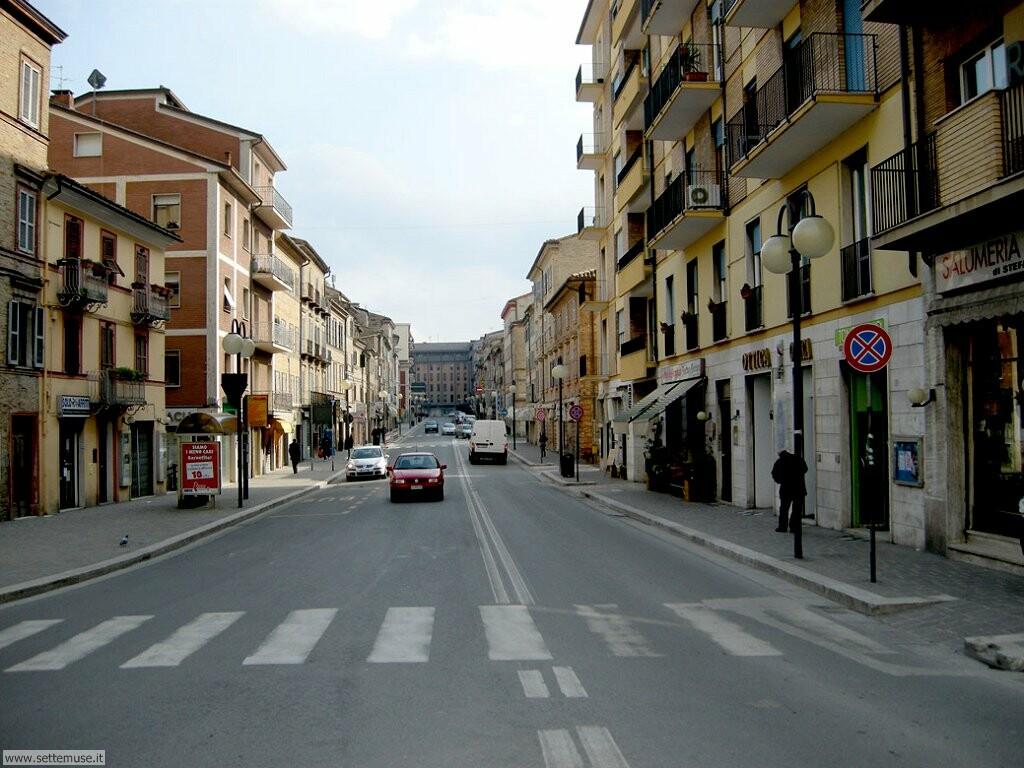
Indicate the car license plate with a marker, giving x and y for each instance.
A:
(416, 487)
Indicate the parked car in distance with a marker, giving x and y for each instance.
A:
(464, 430)
(488, 440)
(417, 474)
(366, 462)
(448, 428)
(429, 426)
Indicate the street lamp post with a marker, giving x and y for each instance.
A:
(383, 422)
(810, 236)
(512, 392)
(238, 343)
(559, 373)
(399, 406)
(494, 403)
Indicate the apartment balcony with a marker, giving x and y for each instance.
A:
(683, 92)
(83, 284)
(753, 316)
(634, 359)
(598, 368)
(761, 14)
(632, 269)
(114, 391)
(633, 184)
(272, 273)
(690, 207)
(149, 304)
(311, 295)
(273, 337)
(626, 25)
(600, 299)
(855, 263)
(665, 17)
(590, 151)
(590, 81)
(827, 84)
(591, 223)
(273, 209)
(963, 178)
(628, 91)
(281, 401)
(912, 11)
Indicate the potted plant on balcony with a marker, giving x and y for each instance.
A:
(123, 373)
(689, 60)
(688, 317)
(746, 291)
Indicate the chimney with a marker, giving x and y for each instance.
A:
(227, 157)
(63, 98)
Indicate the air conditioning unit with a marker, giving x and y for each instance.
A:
(704, 196)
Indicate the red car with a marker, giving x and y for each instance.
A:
(417, 474)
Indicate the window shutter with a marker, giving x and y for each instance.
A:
(13, 335)
(72, 239)
(26, 90)
(34, 94)
(40, 331)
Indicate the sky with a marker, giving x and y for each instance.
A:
(430, 144)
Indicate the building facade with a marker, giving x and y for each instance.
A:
(513, 318)
(445, 371)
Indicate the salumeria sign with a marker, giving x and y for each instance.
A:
(999, 258)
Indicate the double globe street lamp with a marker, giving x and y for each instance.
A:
(238, 343)
(559, 372)
(812, 237)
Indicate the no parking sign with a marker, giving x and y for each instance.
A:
(867, 348)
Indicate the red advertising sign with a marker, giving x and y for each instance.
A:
(200, 468)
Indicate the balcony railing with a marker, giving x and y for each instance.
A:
(856, 267)
(719, 321)
(805, 291)
(635, 250)
(113, 390)
(623, 76)
(691, 190)
(273, 199)
(589, 75)
(905, 185)
(149, 304)
(752, 309)
(690, 62)
(282, 401)
(589, 144)
(589, 217)
(825, 62)
(635, 344)
(83, 284)
(634, 158)
(269, 333)
(268, 264)
(1012, 103)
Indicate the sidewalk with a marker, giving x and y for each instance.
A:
(950, 599)
(42, 553)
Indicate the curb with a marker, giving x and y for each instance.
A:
(85, 573)
(855, 598)
(554, 477)
(527, 462)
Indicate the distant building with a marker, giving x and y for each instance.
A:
(446, 368)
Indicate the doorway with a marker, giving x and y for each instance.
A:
(22, 467)
(103, 463)
(854, 52)
(69, 434)
(869, 449)
(142, 459)
(725, 438)
(760, 398)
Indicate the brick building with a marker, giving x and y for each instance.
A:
(446, 368)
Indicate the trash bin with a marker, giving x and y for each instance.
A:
(567, 464)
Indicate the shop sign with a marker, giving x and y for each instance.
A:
(691, 369)
(256, 410)
(757, 359)
(1001, 258)
(73, 405)
(841, 332)
(200, 469)
(806, 350)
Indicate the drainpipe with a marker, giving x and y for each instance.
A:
(908, 138)
(652, 329)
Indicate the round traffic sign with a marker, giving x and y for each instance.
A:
(576, 412)
(540, 415)
(867, 348)
(479, 389)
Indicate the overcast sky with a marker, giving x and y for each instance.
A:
(430, 144)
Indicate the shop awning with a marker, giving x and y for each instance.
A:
(200, 423)
(657, 401)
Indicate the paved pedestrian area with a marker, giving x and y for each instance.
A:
(37, 547)
(988, 601)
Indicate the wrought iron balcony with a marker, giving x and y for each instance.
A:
(115, 389)
(273, 336)
(693, 203)
(272, 272)
(149, 304)
(685, 89)
(274, 209)
(282, 401)
(83, 284)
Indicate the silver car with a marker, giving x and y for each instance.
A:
(367, 462)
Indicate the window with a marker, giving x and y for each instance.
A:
(24, 334)
(229, 298)
(108, 345)
(142, 354)
(31, 78)
(983, 71)
(620, 327)
(172, 368)
(227, 219)
(256, 173)
(754, 252)
(245, 303)
(617, 167)
(72, 344)
(141, 265)
(246, 233)
(88, 144)
(172, 281)
(670, 300)
(691, 287)
(27, 201)
(108, 255)
(72, 237)
(167, 211)
(718, 263)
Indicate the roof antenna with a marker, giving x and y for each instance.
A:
(58, 75)
(97, 80)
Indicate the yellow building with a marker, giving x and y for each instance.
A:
(748, 105)
(102, 430)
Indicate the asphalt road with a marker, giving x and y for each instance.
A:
(509, 625)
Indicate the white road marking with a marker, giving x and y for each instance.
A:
(729, 636)
(559, 750)
(185, 641)
(569, 683)
(81, 645)
(600, 747)
(533, 684)
(490, 564)
(622, 638)
(404, 636)
(294, 639)
(511, 634)
(25, 629)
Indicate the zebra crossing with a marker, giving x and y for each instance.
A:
(405, 635)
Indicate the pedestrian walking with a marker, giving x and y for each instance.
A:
(294, 453)
(788, 472)
(349, 442)
(325, 447)
(543, 441)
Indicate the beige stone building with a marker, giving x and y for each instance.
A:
(514, 401)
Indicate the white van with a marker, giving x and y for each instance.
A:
(489, 440)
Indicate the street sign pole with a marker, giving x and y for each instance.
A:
(577, 451)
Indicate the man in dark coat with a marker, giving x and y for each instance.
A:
(294, 453)
(788, 472)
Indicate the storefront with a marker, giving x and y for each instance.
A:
(72, 413)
